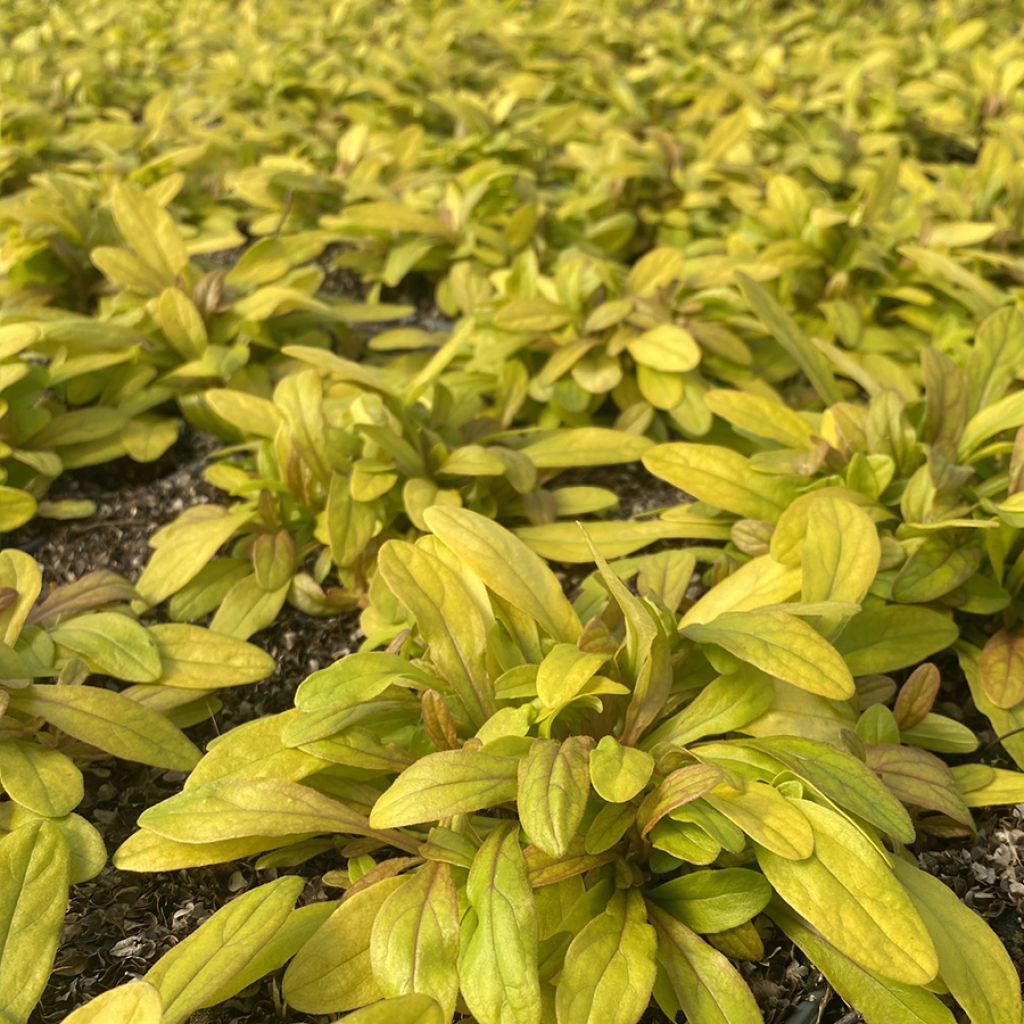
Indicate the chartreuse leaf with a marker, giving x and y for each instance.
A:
(564, 672)
(554, 783)
(762, 581)
(1001, 668)
(847, 892)
(332, 971)
(44, 781)
(138, 1002)
(619, 773)
(34, 873)
(17, 507)
(722, 478)
(713, 901)
(972, 962)
(147, 851)
(706, 986)
(20, 573)
(450, 620)
(585, 446)
(414, 943)
(149, 229)
(201, 964)
(789, 336)
(498, 968)
(760, 416)
(889, 637)
(879, 1000)
(199, 659)
(840, 554)
(998, 786)
(112, 644)
(411, 1009)
(938, 566)
(1007, 722)
(782, 646)
(445, 783)
(610, 966)
(234, 808)
(508, 567)
(109, 721)
(769, 818)
(682, 786)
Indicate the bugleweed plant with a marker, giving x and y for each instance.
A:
(549, 818)
(937, 470)
(52, 721)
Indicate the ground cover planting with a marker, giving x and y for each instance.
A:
(516, 507)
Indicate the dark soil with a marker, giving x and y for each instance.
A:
(119, 924)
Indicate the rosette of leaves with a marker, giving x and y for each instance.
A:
(346, 456)
(547, 818)
(919, 491)
(52, 721)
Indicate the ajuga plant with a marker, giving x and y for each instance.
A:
(52, 721)
(343, 456)
(548, 817)
(938, 471)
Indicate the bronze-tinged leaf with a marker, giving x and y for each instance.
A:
(919, 778)
(1001, 668)
(682, 786)
(917, 695)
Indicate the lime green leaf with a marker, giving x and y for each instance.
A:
(782, 646)
(498, 963)
(722, 478)
(199, 659)
(762, 581)
(138, 1002)
(149, 230)
(508, 567)
(713, 901)
(584, 446)
(706, 986)
(16, 508)
(879, 1000)
(554, 784)
(533, 316)
(973, 964)
(414, 944)
(847, 892)
(18, 572)
(34, 868)
(609, 966)
(109, 721)
(619, 773)
(411, 1009)
(564, 672)
(332, 971)
(111, 644)
(45, 781)
(760, 416)
(201, 964)
(769, 818)
(934, 569)
(886, 638)
(667, 347)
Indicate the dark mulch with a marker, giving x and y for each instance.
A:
(119, 924)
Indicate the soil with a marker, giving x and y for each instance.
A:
(119, 923)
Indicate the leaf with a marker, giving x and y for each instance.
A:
(445, 783)
(533, 316)
(203, 962)
(247, 608)
(609, 966)
(584, 446)
(109, 721)
(181, 323)
(332, 971)
(916, 696)
(789, 336)
(88, 592)
(34, 871)
(879, 1000)
(722, 478)
(679, 787)
(234, 808)
(847, 892)
(973, 964)
(411, 1009)
(889, 637)
(43, 780)
(713, 901)
(18, 572)
(149, 230)
(564, 673)
(137, 1002)
(449, 618)
(769, 818)
(414, 944)
(498, 968)
(1001, 668)
(666, 347)
(199, 659)
(185, 546)
(706, 986)
(760, 416)
(554, 783)
(762, 581)
(919, 779)
(619, 773)
(934, 569)
(782, 646)
(840, 554)
(112, 644)
(1000, 786)
(509, 568)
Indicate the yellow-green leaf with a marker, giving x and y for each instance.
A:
(199, 659)
(667, 347)
(137, 1002)
(554, 784)
(112, 644)
(619, 773)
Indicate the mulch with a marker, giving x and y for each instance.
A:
(120, 923)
